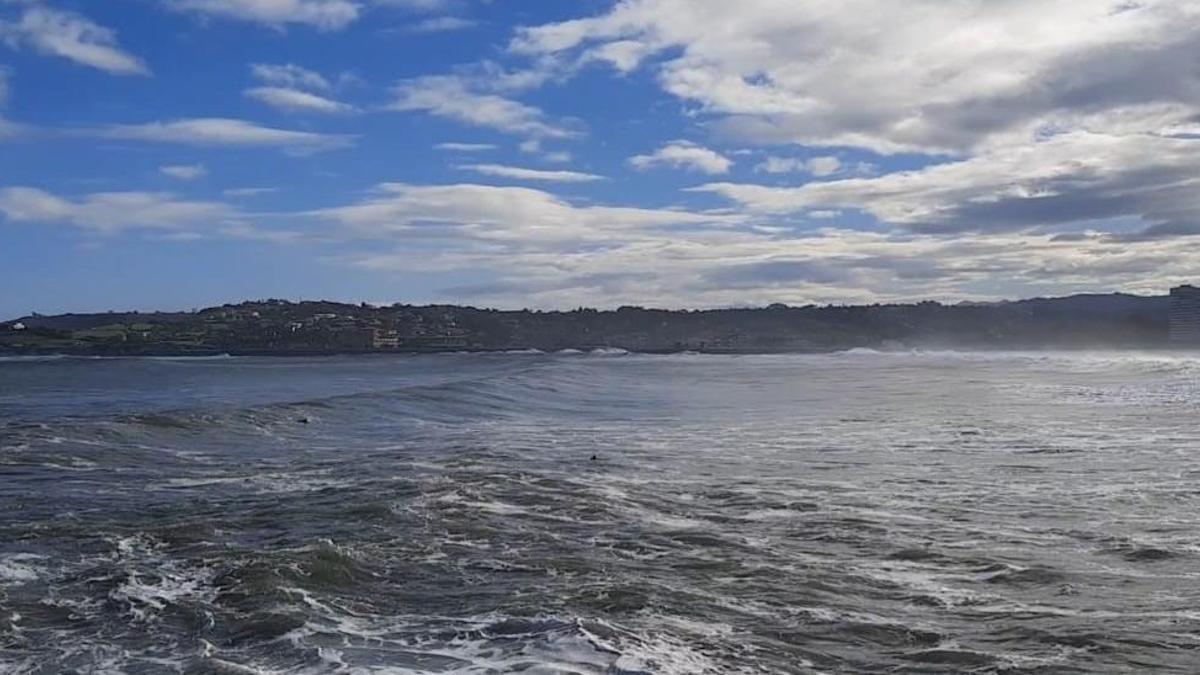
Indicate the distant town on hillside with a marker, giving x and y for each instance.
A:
(281, 327)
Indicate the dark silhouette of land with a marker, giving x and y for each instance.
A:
(279, 327)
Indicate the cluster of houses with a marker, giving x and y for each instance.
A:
(273, 326)
(277, 325)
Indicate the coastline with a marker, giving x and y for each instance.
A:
(280, 328)
(284, 354)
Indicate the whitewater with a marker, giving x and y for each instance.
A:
(601, 512)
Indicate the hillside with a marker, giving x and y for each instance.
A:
(282, 327)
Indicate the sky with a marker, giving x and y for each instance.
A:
(173, 154)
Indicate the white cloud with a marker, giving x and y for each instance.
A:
(223, 132)
(942, 77)
(1032, 115)
(544, 251)
(824, 215)
(247, 232)
(817, 166)
(321, 14)
(455, 98)
(292, 88)
(533, 146)
(466, 147)
(1059, 141)
(109, 212)
(624, 55)
(1061, 182)
(295, 100)
(823, 166)
(70, 36)
(781, 165)
(531, 174)
(420, 5)
(289, 76)
(184, 171)
(684, 155)
(441, 24)
(248, 191)
(492, 213)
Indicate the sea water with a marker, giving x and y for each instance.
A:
(601, 513)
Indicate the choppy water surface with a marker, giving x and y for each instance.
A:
(855, 512)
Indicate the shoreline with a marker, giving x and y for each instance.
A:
(283, 354)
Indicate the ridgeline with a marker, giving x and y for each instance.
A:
(279, 327)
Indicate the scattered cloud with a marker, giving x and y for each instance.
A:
(519, 173)
(684, 155)
(486, 212)
(294, 100)
(289, 76)
(466, 147)
(320, 14)
(10, 130)
(291, 88)
(441, 24)
(70, 36)
(817, 166)
(533, 146)
(109, 212)
(544, 251)
(1067, 181)
(943, 78)
(1015, 147)
(184, 171)
(455, 98)
(1083, 118)
(823, 166)
(247, 232)
(248, 191)
(223, 132)
(428, 6)
(824, 214)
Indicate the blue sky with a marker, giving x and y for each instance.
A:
(167, 154)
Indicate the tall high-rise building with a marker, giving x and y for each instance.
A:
(1185, 316)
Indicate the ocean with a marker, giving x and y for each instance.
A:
(601, 512)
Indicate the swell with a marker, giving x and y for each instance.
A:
(519, 389)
